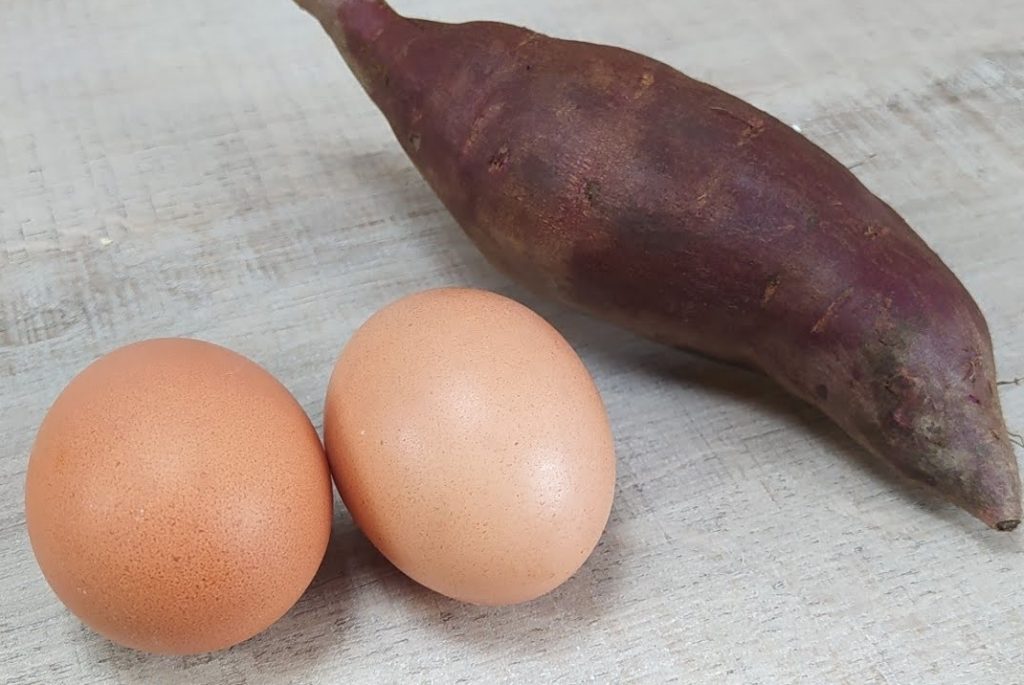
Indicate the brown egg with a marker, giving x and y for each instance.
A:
(471, 446)
(178, 499)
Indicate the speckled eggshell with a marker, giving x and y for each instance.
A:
(471, 445)
(178, 499)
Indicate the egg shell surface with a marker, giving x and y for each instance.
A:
(471, 445)
(178, 499)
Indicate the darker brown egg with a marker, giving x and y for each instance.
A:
(178, 499)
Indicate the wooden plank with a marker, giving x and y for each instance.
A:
(195, 168)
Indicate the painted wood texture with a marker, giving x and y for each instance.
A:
(209, 168)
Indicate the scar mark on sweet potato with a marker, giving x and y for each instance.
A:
(407, 48)
(874, 231)
(592, 190)
(755, 125)
(484, 118)
(754, 129)
(830, 313)
(972, 368)
(530, 38)
(770, 290)
(499, 160)
(728, 113)
(415, 141)
(646, 81)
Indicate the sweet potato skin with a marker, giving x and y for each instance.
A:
(624, 188)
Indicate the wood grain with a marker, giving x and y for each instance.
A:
(209, 168)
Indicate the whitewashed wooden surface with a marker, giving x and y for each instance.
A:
(209, 168)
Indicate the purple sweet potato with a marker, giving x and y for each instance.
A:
(616, 184)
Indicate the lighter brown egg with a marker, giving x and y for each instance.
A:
(178, 499)
(471, 445)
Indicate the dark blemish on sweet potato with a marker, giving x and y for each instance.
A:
(643, 231)
(822, 392)
(538, 173)
(591, 191)
(812, 221)
(499, 159)
(588, 99)
(770, 290)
